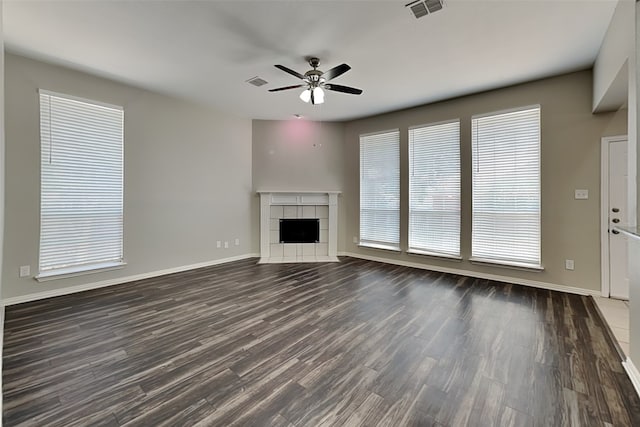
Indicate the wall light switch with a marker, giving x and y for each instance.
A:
(218, 244)
(226, 245)
(25, 270)
(237, 242)
(568, 264)
(582, 194)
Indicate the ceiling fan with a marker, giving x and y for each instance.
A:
(314, 81)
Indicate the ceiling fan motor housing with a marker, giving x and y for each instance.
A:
(314, 76)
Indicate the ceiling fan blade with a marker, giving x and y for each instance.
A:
(285, 88)
(335, 72)
(290, 71)
(344, 89)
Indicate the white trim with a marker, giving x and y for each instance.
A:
(379, 246)
(479, 275)
(65, 273)
(605, 287)
(333, 225)
(439, 255)
(515, 265)
(604, 217)
(633, 373)
(119, 280)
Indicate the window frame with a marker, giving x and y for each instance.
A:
(426, 251)
(65, 271)
(509, 263)
(370, 243)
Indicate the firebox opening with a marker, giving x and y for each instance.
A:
(305, 230)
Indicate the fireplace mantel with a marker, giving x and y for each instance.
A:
(275, 204)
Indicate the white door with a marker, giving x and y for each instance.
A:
(618, 181)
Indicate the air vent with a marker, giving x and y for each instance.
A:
(433, 5)
(419, 10)
(422, 8)
(257, 81)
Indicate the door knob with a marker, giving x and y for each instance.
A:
(615, 210)
(615, 220)
(615, 232)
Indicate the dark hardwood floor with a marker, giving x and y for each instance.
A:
(344, 344)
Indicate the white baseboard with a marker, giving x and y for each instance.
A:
(633, 373)
(119, 280)
(476, 274)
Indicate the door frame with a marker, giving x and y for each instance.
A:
(604, 209)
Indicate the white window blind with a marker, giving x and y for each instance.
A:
(434, 189)
(506, 187)
(380, 190)
(81, 200)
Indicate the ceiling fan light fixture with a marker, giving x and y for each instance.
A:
(318, 95)
(306, 95)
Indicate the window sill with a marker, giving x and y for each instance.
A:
(434, 255)
(379, 246)
(65, 273)
(507, 264)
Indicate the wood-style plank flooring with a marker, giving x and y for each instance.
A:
(343, 344)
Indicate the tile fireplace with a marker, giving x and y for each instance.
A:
(276, 206)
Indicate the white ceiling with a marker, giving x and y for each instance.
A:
(205, 50)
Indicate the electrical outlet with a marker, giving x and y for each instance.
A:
(237, 242)
(218, 244)
(226, 245)
(25, 270)
(581, 194)
(568, 264)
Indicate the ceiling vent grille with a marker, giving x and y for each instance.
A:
(257, 81)
(422, 8)
(419, 10)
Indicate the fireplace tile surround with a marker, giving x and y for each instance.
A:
(275, 205)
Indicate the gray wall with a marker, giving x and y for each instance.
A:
(187, 177)
(570, 160)
(611, 70)
(299, 155)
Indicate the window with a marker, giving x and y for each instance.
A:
(506, 187)
(434, 189)
(380, 190)
(81, 199)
